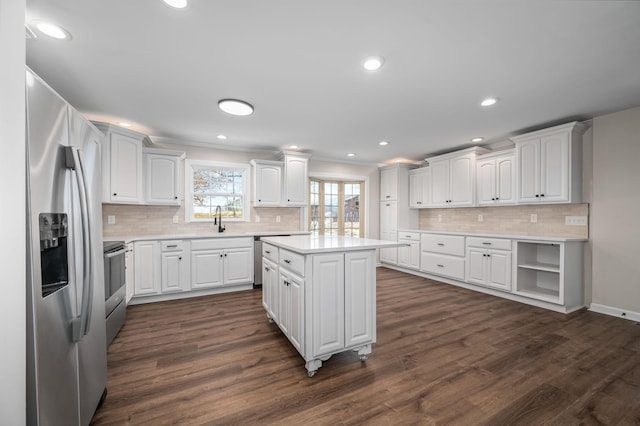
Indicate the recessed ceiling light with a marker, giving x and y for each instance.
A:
(235, 107)
(351, 154)
(373, 63)
(293, 146)
(477, 139)
(178, 4)
(53, 30)
(489, 101)
(383, 143)
(124, 124)
(221, 137)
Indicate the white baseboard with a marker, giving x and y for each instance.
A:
(616, 312)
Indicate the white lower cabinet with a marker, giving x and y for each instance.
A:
(270, 294)
(129, 271)
(409, 255)
(325, 302)
(489, 262)
(442, 255)
(182, 268)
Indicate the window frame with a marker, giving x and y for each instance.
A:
(341, 182)
(192, 164)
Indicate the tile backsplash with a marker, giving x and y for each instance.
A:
(515, 220)
(132, 220)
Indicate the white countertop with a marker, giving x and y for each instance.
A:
(306, 244)
(130, 238)
(491, 235)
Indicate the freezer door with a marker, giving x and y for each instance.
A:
(52, 357)
(92, 348)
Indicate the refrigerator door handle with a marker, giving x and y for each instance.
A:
(81, 324)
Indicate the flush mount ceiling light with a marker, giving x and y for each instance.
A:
(124, 124)
(489, 102)
(373, 63)
(351, 154)
(235, 107)
(52, 30)
(383, 143)
(178, 4)
(478, 139)
(223, 137)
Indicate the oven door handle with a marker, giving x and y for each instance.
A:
(115, 253)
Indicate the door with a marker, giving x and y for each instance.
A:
(476, 265)
(296, 312)
(270, 289)
(295, 174)
(499, 270)
(284, 303)
(328, 303)
(529, 171)
(505, 180)
(360, 298)
(174, 272)
(268, 185)
(486, 182)
(129, 277)
(389, 230)
(126, 174)
(439, 183)
(389, 185)
(146, 267)
(161, 178)
(461, 188)
(554, 168)
(206, 268)
(238, 266)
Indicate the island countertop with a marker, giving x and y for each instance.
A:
(308, 244)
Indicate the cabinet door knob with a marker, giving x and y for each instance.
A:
(114, 194)
(179, 258)
(537, 195)
(175, 198)
(542, 195)
(259, 200)
(287, 261)
(440, 266)
(288, 199)
(497, 198)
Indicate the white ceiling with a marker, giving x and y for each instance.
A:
(299, 63)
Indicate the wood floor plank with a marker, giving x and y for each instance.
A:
(444, 355)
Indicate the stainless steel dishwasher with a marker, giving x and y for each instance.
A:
(257, 257)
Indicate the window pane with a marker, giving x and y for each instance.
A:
(330, 208)
(351, 209)
(314, 208)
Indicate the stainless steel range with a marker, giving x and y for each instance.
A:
(114, 287)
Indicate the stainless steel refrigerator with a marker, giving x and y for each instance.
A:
(66, 337)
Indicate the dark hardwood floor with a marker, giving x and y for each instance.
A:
(444, 355)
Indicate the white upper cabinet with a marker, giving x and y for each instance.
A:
(296, 186)
(420, 188)
(162, 177)
(267, 183)
(453, 178)
(122, 166)
(550, 165)
(281, 183)
(496, 179)
(389, 184)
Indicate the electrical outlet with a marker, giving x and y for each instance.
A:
(439, 218)
(575, 220)
(480, 218)
(175, 219)
(111, 220)
(257, 218)
(278, 218)
(534, 218)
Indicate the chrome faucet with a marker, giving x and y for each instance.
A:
(218, 219)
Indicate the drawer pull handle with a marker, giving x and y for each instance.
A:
(440, 266)
(266, 269)
(487, 244)
(407, 236)
(287, 261)
(441, 244)
(267, 251)
(172, 246)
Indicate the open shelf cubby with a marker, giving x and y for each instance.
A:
(538, 270)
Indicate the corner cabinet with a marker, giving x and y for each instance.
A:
(550, 165)
(162, 176)
(394, 211)
(453, 178)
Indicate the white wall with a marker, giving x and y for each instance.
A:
(12, 187)
(615, 211)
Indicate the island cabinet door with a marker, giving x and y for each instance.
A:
(328, 303)
(360, 298)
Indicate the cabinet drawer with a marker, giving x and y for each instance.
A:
(489, 243)
(443, 244)
(220, 243)
(172, 245)
(292, 261)
(270, 252)
(447, 266)
(413, 236)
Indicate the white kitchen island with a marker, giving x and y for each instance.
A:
(321, 292)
